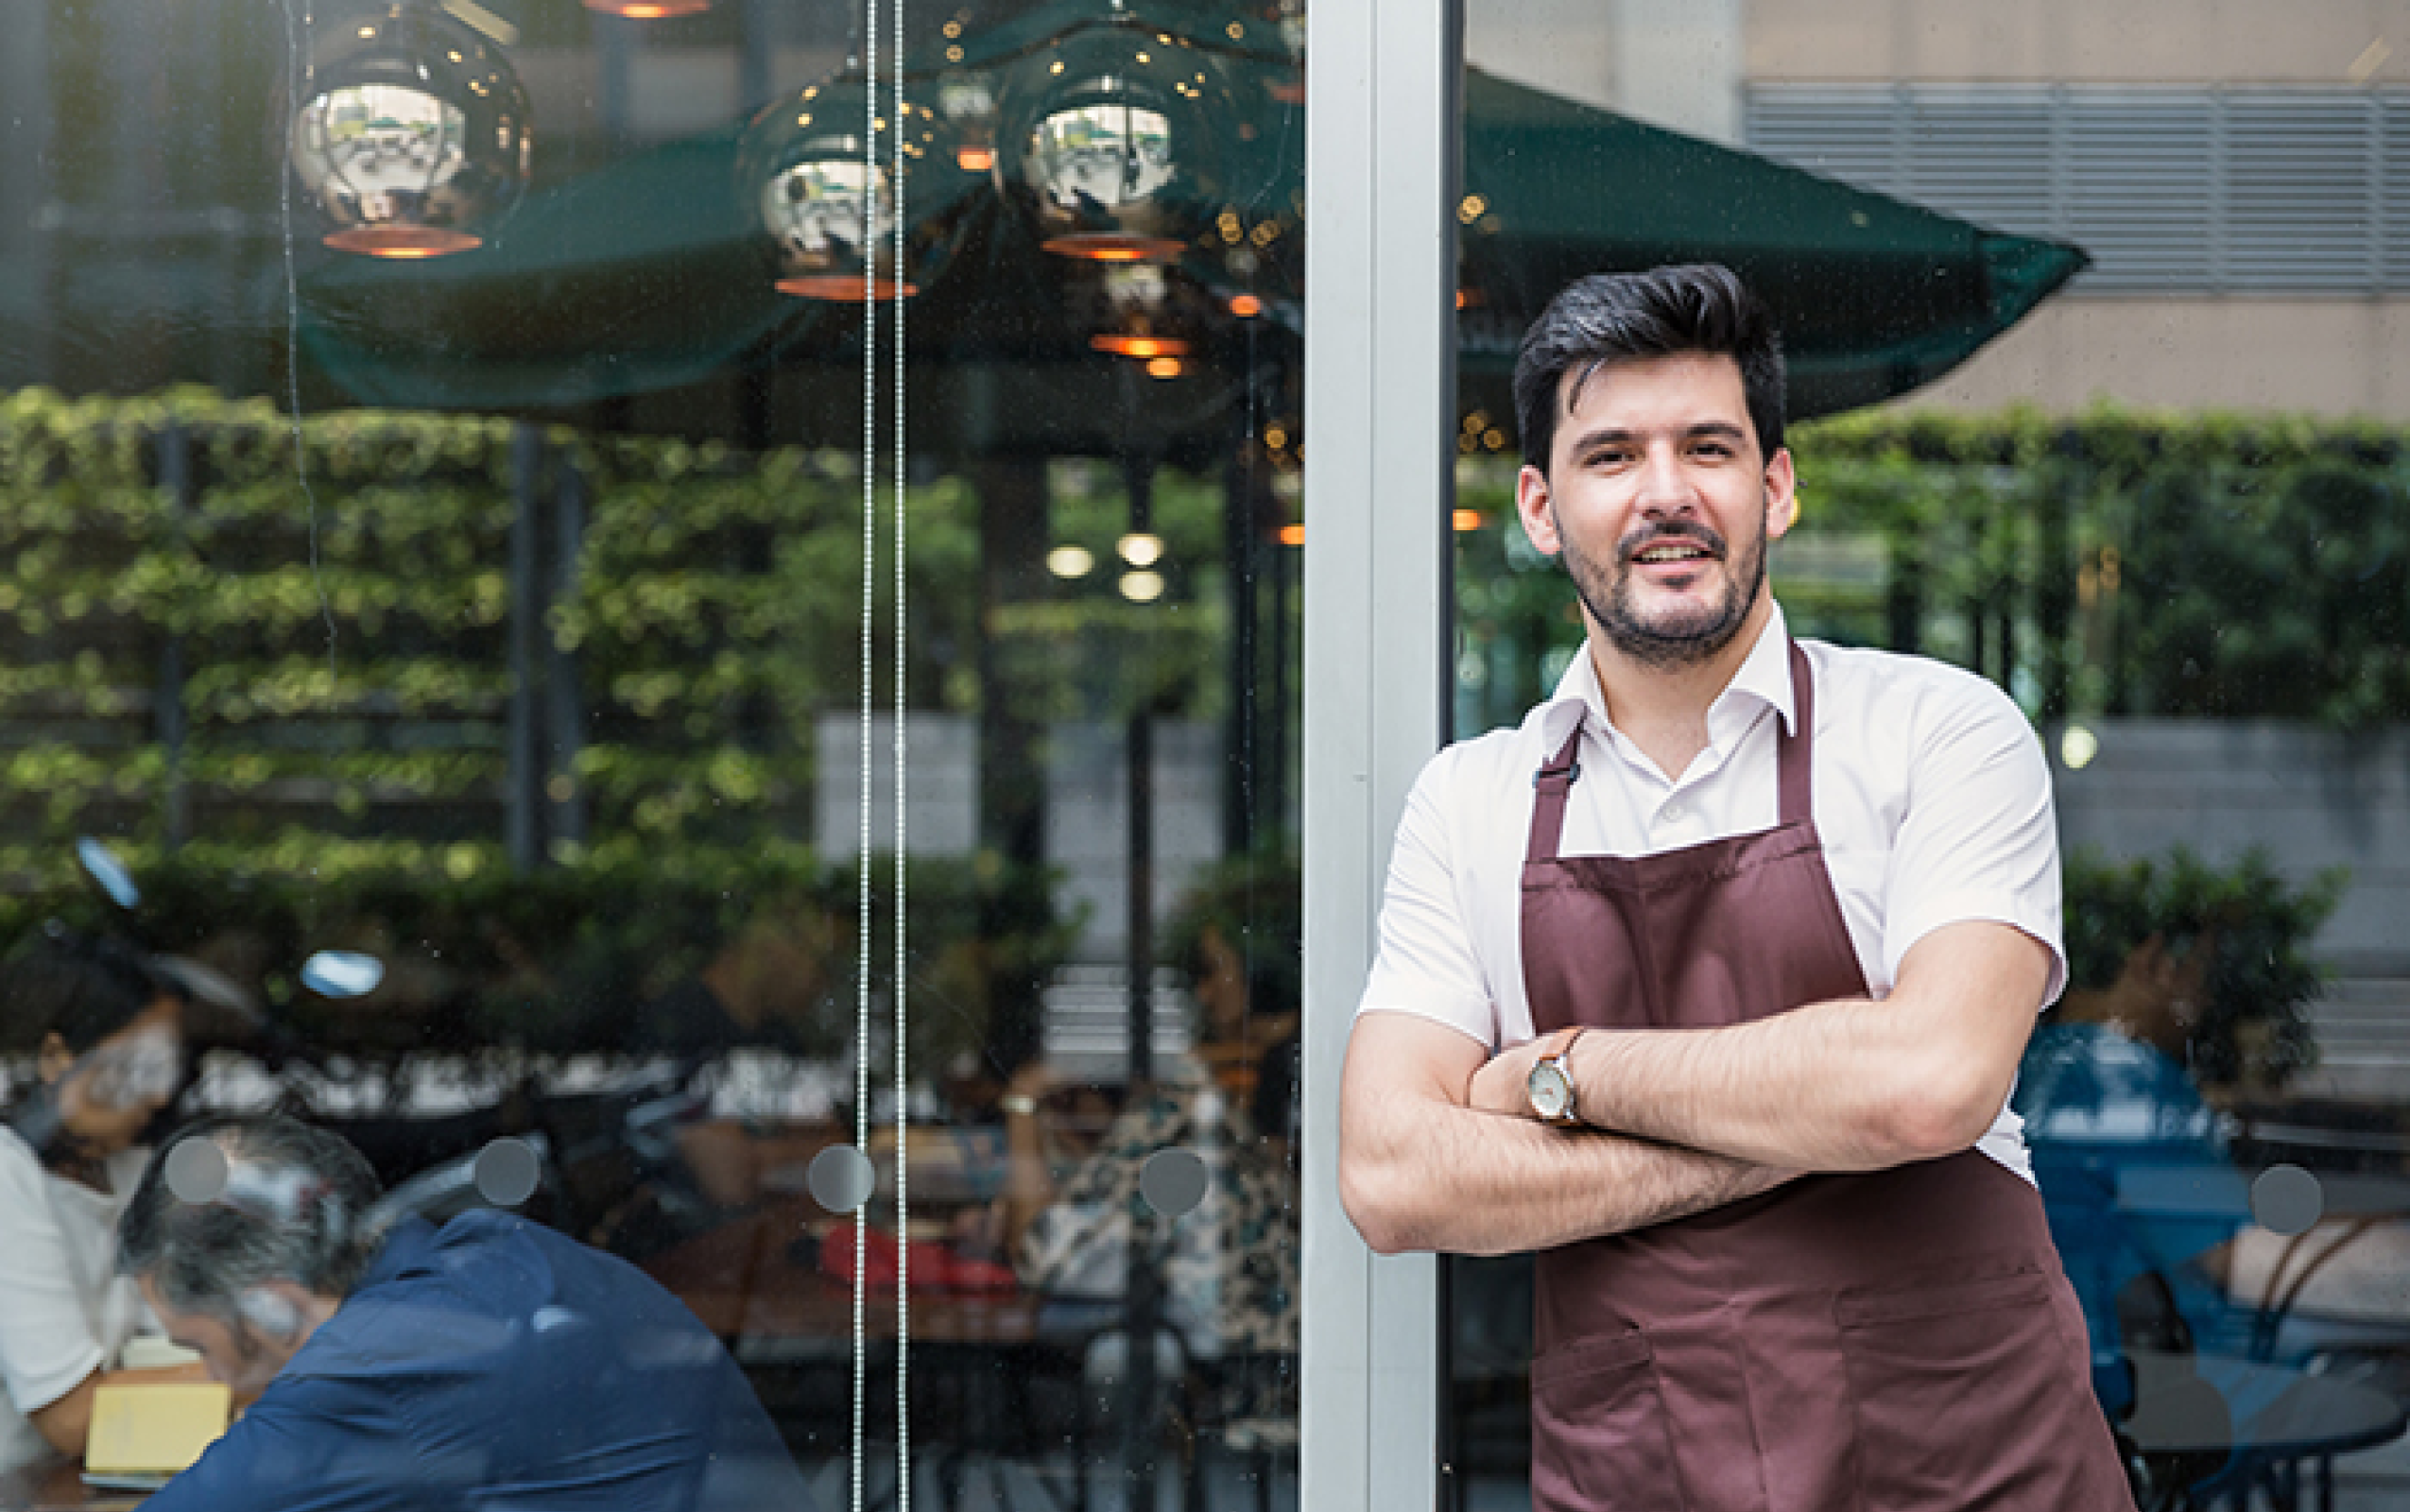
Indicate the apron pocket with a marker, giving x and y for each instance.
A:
(1598, 1433)
(1954, 1386)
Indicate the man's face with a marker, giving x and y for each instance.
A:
(1662, 504)
(245, 1358)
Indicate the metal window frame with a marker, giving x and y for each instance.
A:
(1381, 176)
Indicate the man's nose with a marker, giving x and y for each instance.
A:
(1666, 486)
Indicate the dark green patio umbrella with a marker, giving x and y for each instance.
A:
(1874, 296)
(650, 274)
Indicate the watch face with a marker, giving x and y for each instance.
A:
(1551, 1092)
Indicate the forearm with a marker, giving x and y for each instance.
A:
(66, 1422)
(1422, 1165)
(1820, 1087)
(1849, 1085)
(1456, 1179)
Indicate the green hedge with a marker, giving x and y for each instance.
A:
(2209, 565)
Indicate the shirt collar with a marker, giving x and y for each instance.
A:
(405, 1247)
(1763, 681)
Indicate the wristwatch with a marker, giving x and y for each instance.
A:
(1551, 1083)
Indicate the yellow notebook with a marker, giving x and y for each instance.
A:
(152, 1431)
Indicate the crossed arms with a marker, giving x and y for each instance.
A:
(1438, 1150)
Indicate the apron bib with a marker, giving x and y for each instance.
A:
(1897, 1340)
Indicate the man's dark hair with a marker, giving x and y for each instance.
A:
(233, 1203)
(1606, 318)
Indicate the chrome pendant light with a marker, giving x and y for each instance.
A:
(819, 193)
(413, 141)
(1108, 139)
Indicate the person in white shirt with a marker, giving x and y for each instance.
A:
(105, 1038)
(1709, 984)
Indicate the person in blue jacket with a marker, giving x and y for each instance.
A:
(492, 1364)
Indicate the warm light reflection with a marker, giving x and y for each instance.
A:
(1071, 562)
(401, 242)
(1142, 347)
(650, 9)
(1114, 246)
(1292, 535)
(1468, 520)
(974, 160)
(1246, 306)
(1163, 368)
(844, 289)
(1141, 587)
(1141, 548)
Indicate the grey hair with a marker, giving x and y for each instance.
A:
(233, 1203)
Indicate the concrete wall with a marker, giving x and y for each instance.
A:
(1671, 63)
(2330, 356)
(2190, 41)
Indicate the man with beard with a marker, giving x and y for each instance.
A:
(1708, 983)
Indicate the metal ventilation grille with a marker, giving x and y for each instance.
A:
(1856, 135)
(2171, 190)
(2393, 199)
(2142, 191)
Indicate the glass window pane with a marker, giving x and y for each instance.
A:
(2108, 420)
(680, 621)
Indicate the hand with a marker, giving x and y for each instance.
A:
(1503, 1085)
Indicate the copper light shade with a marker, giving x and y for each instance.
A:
(1110, 140)
(650, 9)
(1139, 345)
(414, 142)
(829, 215)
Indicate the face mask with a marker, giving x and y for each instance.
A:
(137, 1071)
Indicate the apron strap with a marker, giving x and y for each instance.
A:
(1552, 782)
(1792, 745)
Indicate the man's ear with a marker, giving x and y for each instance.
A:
(267, 1307)
(1782, 495)
(1533, 507)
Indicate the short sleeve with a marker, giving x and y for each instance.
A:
(1979, 838)
(1427, 963)
(46, 1341)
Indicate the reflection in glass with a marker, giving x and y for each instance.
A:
(416, 142)
(831, 212)
(1112, 139)
(525, 663)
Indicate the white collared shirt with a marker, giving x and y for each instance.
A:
(1931, 794)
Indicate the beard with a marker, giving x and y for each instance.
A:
(1679, 635)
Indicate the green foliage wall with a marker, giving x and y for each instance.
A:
(2198, 565)
(273, 668)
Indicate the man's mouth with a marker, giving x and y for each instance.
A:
(1665, 552)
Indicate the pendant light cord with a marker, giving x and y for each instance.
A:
(869, 694)
(897, 125)
(890, 182)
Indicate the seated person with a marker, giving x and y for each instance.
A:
(104, 1035)
(492, 1364)
(766, 987)
(1228, 1268)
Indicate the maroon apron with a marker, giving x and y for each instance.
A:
(1868, 1343)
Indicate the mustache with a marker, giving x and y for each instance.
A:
(1659, 532)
